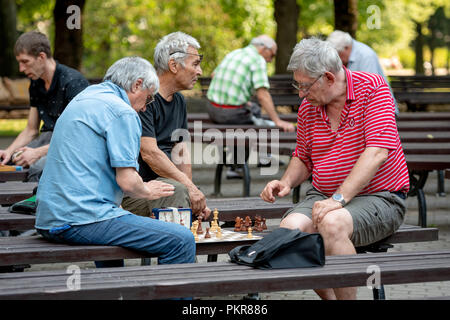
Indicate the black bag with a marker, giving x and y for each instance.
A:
(283, 248)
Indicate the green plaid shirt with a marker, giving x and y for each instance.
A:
(236, 78)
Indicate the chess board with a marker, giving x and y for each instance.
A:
(227, 236)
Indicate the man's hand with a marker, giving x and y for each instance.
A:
(5, 156)
(159, 189)
(27, 157)
(321, 208)
(285, 126)
(274, 188)
(205, 213)
(198, 200)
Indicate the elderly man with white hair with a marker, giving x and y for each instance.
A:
(92, 162)
(347, 139)
(177, 64)
(357, 56)
(240, 74)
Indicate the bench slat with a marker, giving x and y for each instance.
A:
(157, 282)
(35, 250)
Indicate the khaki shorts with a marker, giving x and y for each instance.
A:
(375, 216)
(143, 207)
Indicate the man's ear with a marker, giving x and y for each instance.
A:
(136, 85)
(173, 66)
(42, 55)
(330, 77)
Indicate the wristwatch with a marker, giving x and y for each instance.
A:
(339, 198)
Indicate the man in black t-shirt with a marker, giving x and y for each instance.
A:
(52, 87)
(177, 63)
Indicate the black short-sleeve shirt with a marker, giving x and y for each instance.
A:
(66, 84)
(159, 121)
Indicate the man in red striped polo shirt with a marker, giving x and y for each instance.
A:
(347, 139)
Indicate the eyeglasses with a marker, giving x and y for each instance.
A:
(305, 87)
(150, 99)
(194, 54)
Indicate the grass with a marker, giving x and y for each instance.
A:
(12, 127)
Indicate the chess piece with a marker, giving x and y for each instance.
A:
(264, 226)
(194, 230)
(199, 229)
(219, 232)
(247, 223)
(207, 235)
(249, 235)
(216, 219)
(258, 224)
(237, 225)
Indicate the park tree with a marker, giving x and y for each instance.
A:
(8, 36)
(67, 18)
(346, 16)
(286, 13)
(438, 33)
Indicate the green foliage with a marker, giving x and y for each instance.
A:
(134, 27)
(12, 127)
(114, 28)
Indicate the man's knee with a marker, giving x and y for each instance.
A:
(335, 226)
(297, 221)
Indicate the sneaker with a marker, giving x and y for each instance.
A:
(235, 173)
(27, 206)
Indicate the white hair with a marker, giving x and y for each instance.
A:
(314, 57)
(126, 71)
(340, 39)
(263, 41)
(165, 50)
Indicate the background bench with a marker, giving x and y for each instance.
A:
(416, 91)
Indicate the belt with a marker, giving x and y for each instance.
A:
(224, 106)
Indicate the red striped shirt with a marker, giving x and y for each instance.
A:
(367, 120)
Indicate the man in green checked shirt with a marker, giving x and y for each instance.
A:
(240, 74)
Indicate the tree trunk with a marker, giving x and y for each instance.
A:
(8, 37)
(286, 16)
(68, 48)
(418, 48)
(346, 16)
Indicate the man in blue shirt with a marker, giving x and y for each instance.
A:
(357, 56)
(92, 162)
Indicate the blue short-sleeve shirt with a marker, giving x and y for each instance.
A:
(98, 132)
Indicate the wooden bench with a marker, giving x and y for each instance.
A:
(292, 117)
(415, 91)
(37, 250)
(14, 191)
(224, 278)
(419, 91)
(229, 209)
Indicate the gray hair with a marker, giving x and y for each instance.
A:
(314, 57)
(263, 41)
(126, 71)
(340, 39)
(173, 42)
